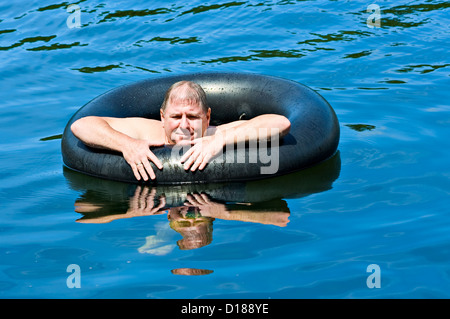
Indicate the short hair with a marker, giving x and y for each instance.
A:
(187, 91)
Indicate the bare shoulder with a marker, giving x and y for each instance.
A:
(137, 127)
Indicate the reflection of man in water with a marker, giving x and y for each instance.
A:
(194, 220)
(195, 229)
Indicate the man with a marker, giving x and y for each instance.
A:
(185, 119)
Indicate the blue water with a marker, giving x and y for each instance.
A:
(385, 202)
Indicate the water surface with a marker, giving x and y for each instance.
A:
(383, 200)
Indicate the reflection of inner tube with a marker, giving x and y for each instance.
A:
(112, 196)
(314, 134)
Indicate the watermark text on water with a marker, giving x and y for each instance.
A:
(374, 279)
(374, 20)
(74, 19)
(74, 279)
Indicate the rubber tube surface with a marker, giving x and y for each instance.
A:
(313, 137)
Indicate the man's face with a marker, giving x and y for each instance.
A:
(184, 121)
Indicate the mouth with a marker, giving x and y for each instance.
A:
(182, 137)
(184, 134)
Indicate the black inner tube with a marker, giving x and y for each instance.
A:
(314, 134)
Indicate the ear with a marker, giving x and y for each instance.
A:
(161, 113)
(208, 115)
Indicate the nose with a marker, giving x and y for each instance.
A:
(184, 123)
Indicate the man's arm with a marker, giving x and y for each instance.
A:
(265, 126)
(123, 135)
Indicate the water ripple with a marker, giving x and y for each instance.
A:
(62, 5)
(417, 8)
(172, 40)
(422, 68)
(203, 8)
(28, 40)
(128, 14)
(57, 46)
(98, 68)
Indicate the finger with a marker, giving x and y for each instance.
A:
(187, 154)
(205, 161)
(135, 172)
(190, 161)
(150, 202)
(144, 191)
(142, 172)
(205, 198)
(162, 203)
(152, 192)
(196, 144)
(197, 162)
(155, 160)
(149, 169)
(192, 201)
(194, 156)
(151, 198)
(134, 199)
(137, 191)
(200, 199)
(143, 197)
(139, 199)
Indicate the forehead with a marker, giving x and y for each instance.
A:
(183, 106)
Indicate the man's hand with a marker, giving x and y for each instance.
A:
(124, 135)
(201, 152)
(266, 126)
(206, 206)
(137, 153)
(143, 202)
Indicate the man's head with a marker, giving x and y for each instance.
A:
(184, 113)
